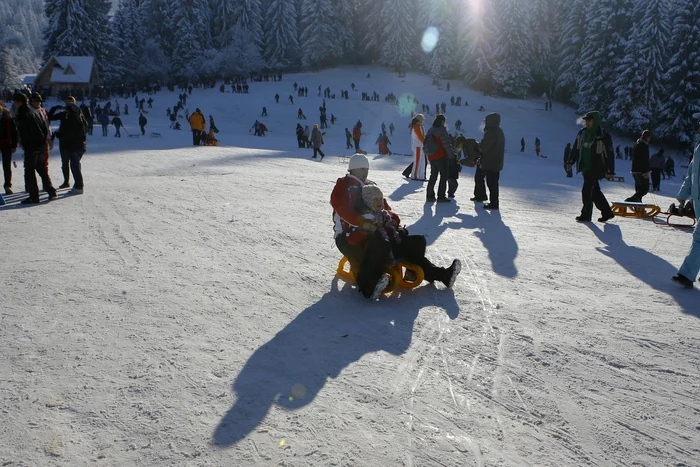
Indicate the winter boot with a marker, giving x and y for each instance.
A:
(682, 280)
(379, 288)
(451, 273)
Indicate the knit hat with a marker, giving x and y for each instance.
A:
(370, 193)
(358, 161)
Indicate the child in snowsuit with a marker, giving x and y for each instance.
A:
(372, 207)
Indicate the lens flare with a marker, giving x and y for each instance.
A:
(431, 36)
(298, 391)
(407, 104)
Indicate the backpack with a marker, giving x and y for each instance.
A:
(430, 146)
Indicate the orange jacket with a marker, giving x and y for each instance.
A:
(356, 134)
(197, 121)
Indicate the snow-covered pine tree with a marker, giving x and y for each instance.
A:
(281, 45)
(683, 74)
(544, 16)
(601, 54)
(9, 71)
(222, 22)
(513, 48)
(157, 17)
(640, 88)
(242, 55)
(247, 14)
(398, 40)
(69, 29)
(439, 14)
(475, 54)
(370, 27)
(343, 25)
(570, 37)
(129, 40)
(185, 56)
(318, 41)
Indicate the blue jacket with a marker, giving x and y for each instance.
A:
(691, 185)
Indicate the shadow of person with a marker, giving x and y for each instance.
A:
(496, 237)
(291, 369)
(406, 188)
(430, 223)
(654, 271)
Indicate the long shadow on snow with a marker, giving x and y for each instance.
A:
(496, 237)
(656, 272)
(405, 189)
(291, 369)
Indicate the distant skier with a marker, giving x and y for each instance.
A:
(264, 111)
(291, 99)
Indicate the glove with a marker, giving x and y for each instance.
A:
(369, 226)
(403, 232)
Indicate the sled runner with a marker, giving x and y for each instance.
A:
(672, 220)
(400, 274)
(638, 210)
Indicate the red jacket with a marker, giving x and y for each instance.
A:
(8, 131)
(441, 154)
(347, 218)
(356, 134)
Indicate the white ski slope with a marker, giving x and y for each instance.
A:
(185, 310)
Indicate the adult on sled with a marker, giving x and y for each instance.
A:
(690, 190)
(592, 154)
(416, 169)
(367, 250)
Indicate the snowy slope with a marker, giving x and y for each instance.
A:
(185, 311)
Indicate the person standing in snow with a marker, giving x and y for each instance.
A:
(317, 141)
(33, 131)
(117, 122)
(291, 99)
(690, 190)
(277, 98)
(300, 136)
(438, 147)
(416, 170)
(8, 145)
(656, 163)
(103, 118)
(142, 123)
(538, 146)
(357, 135)
(522, 144)
(212, 125)
(391, 129)
(368, 252)
(307, 136)
(567, 153)
(592, 154)
(72, 137)
(197, 125)
(348, 139)
(88, 115)
(670, 167)
(492, 148)
(264, 111)
(640, 167)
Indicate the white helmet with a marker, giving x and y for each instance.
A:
(358, 161)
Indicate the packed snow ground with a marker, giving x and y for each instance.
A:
(185, 309)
